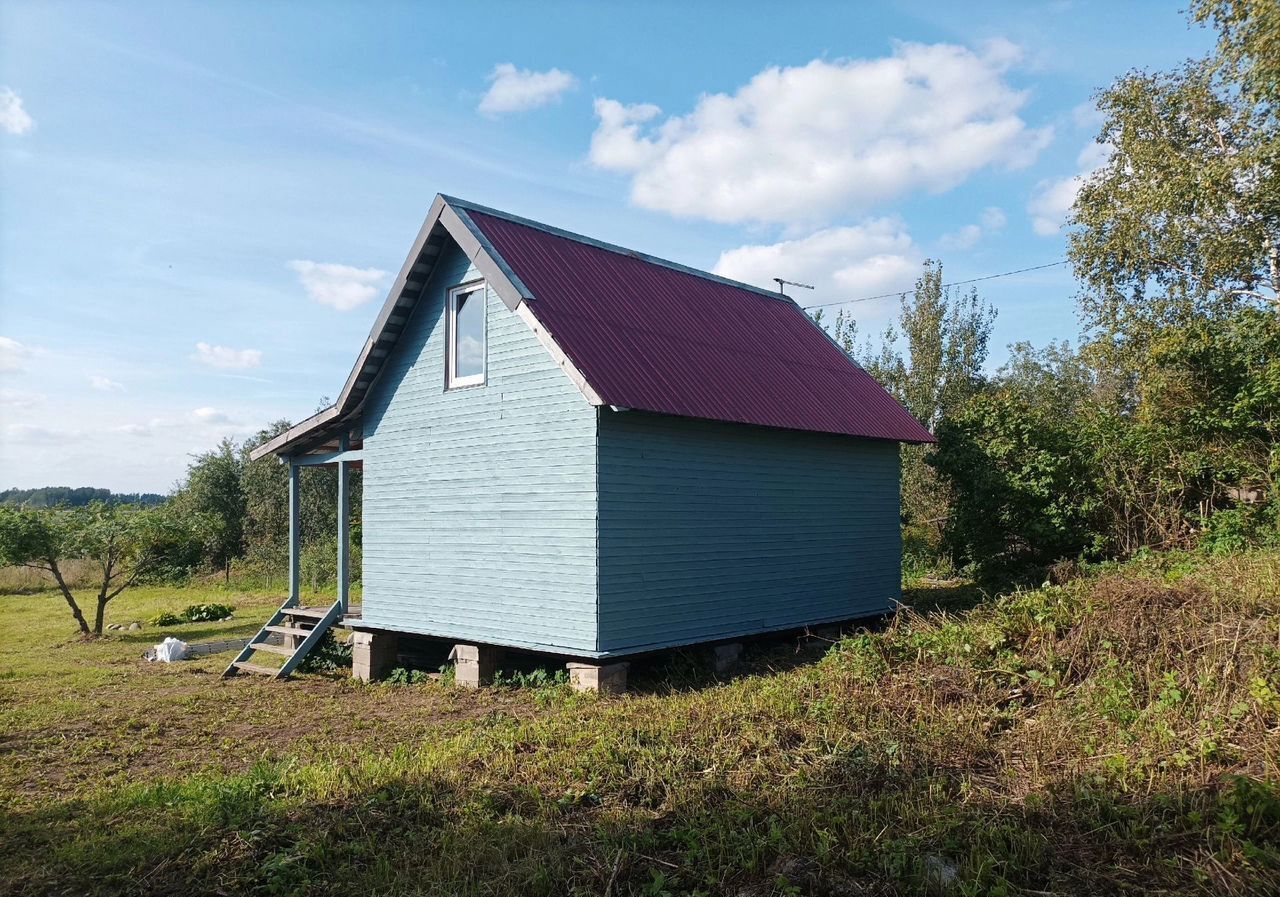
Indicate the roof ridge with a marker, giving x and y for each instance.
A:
(469, 206)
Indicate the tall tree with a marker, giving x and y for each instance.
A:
(213, 488)
(266, 490)
(1183, 221)
(931, 359)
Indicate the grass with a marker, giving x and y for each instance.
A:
(1117, 734)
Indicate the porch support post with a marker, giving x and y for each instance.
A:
(344, 528)
(295, 533)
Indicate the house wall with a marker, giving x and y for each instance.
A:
(479, 503)
(713, 530)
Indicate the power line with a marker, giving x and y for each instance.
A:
(958, 283)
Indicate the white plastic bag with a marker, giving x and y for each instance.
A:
(169, 650)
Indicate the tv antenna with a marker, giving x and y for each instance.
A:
(783, 284)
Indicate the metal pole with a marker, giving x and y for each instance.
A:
(344, 527)
(295, 534)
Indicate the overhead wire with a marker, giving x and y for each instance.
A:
(957, 283)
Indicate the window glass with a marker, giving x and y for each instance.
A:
(468, 335)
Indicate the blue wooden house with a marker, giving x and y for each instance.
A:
(572, 448)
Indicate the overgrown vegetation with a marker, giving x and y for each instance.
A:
(1115, 734)
(1161, 431)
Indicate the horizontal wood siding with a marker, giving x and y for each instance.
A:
(712, 530)
(479, 503)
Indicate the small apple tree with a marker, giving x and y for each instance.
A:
(127, 544)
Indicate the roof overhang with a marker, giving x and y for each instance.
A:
(447, 220)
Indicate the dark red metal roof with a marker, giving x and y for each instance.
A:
(652, 336)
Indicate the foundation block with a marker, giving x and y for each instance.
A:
(607, 679)
(727, 655)
(373, 654)
(474, 665)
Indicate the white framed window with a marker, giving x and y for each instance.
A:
(465, 352)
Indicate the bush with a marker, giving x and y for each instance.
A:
(1237, 529)
(1024, 497)
(195, 613)
(207, 613)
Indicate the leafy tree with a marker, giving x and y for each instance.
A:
(1054, 377)
(128, 544)
(1248, 44)
(265, 484)
(1207, 424)
(213, 489)
(1183, 222)
(1023, 494)
(931, 359)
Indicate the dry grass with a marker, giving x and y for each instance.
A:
(1114, 735)
(78, 574)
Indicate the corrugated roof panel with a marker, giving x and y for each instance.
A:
(656, 338)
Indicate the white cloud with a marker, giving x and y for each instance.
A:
(13, 355)
(16, 399)
(142, 430)
(873, 257)
(992, 221)
(338, 286)
(227, 358)
(1087, 115)
(1053, 199)
(516, 90)
(105, 384)
(13, 117)
(211, 416)
(35, 434)
(799, 145)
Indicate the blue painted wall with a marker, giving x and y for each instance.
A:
(479, 503)
(712, 530)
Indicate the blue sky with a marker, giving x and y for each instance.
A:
(200, 204)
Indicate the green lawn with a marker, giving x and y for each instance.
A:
(1118, 734)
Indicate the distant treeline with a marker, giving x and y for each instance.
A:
(57, 496)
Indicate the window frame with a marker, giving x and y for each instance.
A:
(452, 380)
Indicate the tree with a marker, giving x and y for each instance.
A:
(1248, 44)
(932, 362)
(213, 489)
(265, 484)
(128, 544)
(1054, 377)
(1183, 221)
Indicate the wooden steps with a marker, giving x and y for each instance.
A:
(246, 667)
(304, 626)
(314, 613)
(287, 630)
(273, 649)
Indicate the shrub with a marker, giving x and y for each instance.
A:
(1023, 493)
(1237, 529)
(195, 613)
(207, 613)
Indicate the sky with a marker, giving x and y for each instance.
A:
(202, 206)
